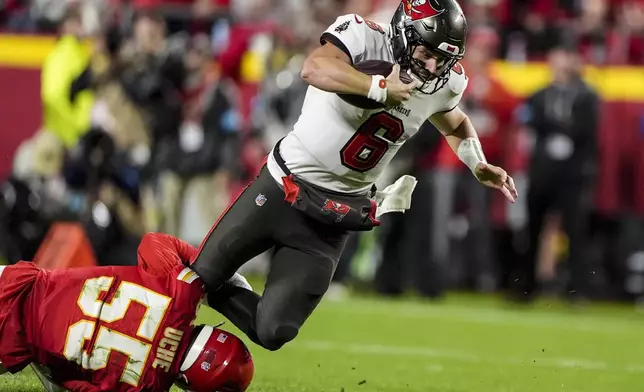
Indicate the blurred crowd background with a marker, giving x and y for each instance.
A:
(153, 114)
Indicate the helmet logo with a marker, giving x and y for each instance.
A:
(208, 358)
(448, 48)
(419, 9)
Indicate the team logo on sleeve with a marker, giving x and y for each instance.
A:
(334, 207)
(372, 25)
(342, 27)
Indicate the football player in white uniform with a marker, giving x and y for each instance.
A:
(318, 182)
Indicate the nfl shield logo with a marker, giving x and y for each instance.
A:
(260, 200)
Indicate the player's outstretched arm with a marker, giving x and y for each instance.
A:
(329, 68)
(462, 138)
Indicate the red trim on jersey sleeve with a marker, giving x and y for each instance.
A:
(374, 26)
(160, 253)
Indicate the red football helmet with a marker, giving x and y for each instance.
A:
(216, 361)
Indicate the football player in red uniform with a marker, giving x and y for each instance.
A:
(118, 328)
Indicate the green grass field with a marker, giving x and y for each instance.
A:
(463, 344)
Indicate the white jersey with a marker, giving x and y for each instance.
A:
(344, 148)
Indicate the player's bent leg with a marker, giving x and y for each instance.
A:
(295, 285)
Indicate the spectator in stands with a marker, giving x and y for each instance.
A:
(480, 13)
(66, 112)
(626, 44)
(16, 15)
(114, 111)
(150, 74)
(116, 114)
(195, 185)
(592, 31)
(532, 29)
(564, 119)
(244, 58)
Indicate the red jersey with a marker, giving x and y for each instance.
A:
(107, 328)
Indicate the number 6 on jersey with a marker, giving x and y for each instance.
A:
(369, 144)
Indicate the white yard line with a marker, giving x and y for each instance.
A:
(428, 352)
(496, 317)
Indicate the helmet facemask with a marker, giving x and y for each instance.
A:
(417, 66)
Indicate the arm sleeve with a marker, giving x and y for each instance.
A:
(348, 33)
(160, 253)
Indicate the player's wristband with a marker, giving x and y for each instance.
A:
(470, 152)
(378, 90)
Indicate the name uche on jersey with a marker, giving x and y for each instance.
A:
(344, 148)
(167, 349)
